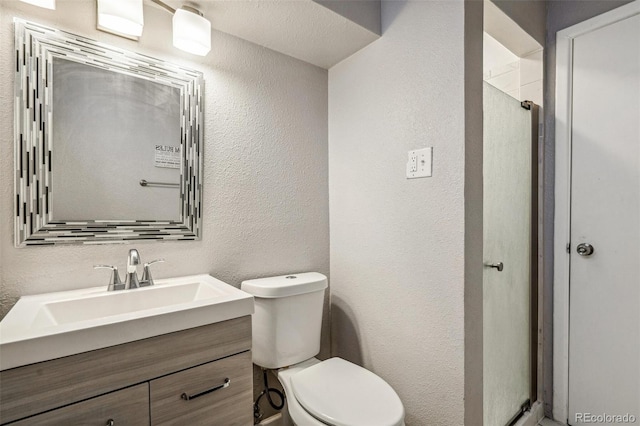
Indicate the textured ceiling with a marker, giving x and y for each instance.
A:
(304, 29)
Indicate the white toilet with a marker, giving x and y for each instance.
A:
(286, 336)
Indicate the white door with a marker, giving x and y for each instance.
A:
(604, 301)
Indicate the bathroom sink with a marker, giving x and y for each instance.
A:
(114, 303)
(53, 325)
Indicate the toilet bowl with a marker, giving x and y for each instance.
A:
(286, 337)
(338, 393)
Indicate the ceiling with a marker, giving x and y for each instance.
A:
(304, 29)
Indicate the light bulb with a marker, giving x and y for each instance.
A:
(191, 32)
(121, 17)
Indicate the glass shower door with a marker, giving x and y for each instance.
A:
(507, 256)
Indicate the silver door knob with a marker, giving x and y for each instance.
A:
(499, 266)
(585, 249)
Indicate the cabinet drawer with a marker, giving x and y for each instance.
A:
(226, 406)
(127, 407)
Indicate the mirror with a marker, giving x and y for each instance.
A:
(108, 143)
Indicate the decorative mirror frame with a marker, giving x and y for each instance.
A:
(36, 45)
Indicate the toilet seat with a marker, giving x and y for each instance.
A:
(339, 393)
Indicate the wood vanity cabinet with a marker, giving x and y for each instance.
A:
(172, 379)
(123, 407)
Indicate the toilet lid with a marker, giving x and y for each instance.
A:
(340, 393)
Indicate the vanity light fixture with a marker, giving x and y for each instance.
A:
(121, 17)
(191, 31)
(47, 4)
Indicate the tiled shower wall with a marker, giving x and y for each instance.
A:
(520, 78)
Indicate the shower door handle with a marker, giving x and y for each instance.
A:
(499, 266)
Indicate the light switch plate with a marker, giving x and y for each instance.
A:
(419, 163)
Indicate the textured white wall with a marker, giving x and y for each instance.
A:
(397, 245)
(265, 161)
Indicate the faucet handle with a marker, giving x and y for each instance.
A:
(114, 283)
(147, 279)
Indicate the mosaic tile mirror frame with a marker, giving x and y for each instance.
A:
(37, 47)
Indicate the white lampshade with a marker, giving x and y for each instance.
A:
(48, 4)
(121, 17)
(191, 32)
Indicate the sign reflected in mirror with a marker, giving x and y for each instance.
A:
(108, 142)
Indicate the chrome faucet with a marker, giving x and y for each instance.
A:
(133, 260)
(131, 280)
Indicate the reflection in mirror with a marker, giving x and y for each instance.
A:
(108, 142)
(106, 127)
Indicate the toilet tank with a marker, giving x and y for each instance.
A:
(288, 318)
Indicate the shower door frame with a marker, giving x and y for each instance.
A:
(562, 219)
(536, 266)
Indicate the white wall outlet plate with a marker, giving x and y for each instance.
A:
(419, 163)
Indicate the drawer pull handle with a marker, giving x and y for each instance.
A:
(226, 384)
(110, 422)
